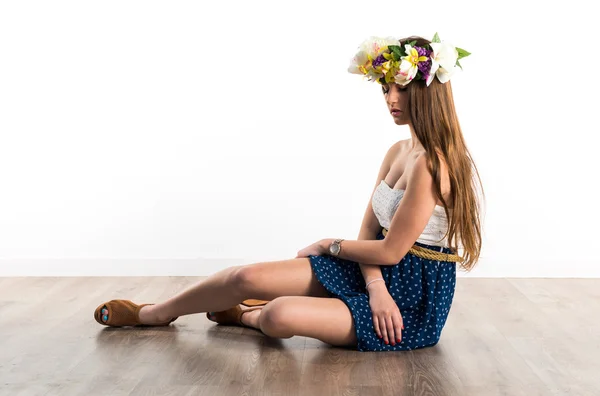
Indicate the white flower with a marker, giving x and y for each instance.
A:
(376, 45)
(368, 51)
(407, 72)
(360, 64)
(443, 62)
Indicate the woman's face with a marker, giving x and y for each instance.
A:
(396, 98)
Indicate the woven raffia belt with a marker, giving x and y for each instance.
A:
(422, 252)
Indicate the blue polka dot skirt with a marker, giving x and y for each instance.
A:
(423, 289)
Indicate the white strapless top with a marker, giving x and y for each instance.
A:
(385, 202)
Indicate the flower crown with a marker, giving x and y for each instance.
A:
(384, 60)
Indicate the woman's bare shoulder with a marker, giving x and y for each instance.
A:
(400, 146)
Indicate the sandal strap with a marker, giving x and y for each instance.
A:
(120, 313)
(232, 316)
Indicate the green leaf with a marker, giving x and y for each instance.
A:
(462, 53)
(397, 50)
(395, 56)
(458, 64)
(436, 38)
(412, 43)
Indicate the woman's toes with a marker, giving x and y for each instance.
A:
(104, 314)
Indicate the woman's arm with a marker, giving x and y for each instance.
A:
(370, 271)
(413, 213)
(370, 225)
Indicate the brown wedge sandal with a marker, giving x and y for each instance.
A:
(123, 313)
(232, 316)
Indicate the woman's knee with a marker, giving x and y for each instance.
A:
(246, 278)
(275, 319)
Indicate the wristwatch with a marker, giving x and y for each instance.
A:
(335, 247)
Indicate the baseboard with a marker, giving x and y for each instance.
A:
(114, 267)
(534, 268)
(485, 268)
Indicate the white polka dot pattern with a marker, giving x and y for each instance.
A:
(423, 290)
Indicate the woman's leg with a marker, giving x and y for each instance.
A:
(231, 286)
(326, 319)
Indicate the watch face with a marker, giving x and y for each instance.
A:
(334, 248)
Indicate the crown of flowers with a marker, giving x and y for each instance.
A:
(385, 61)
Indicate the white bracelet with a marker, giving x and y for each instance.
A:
(373, 281)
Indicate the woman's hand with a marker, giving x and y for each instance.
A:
(316, 249)
(387, 319)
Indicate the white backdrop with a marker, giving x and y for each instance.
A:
(176, 138)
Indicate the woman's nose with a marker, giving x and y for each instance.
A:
(393, 93)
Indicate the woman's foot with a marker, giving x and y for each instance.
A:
(147, 315)
(249, 316)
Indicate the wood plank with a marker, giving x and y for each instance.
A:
(503, 337)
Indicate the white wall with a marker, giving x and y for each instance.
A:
(176, 138)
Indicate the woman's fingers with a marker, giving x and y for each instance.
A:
(376, 326)
(383, 329)
(390, 329)
(399, 327)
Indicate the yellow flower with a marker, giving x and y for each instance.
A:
(409, 66)
(413, 56)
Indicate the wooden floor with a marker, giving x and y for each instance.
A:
(503, 337)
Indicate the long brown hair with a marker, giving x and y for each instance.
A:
(436, 126)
